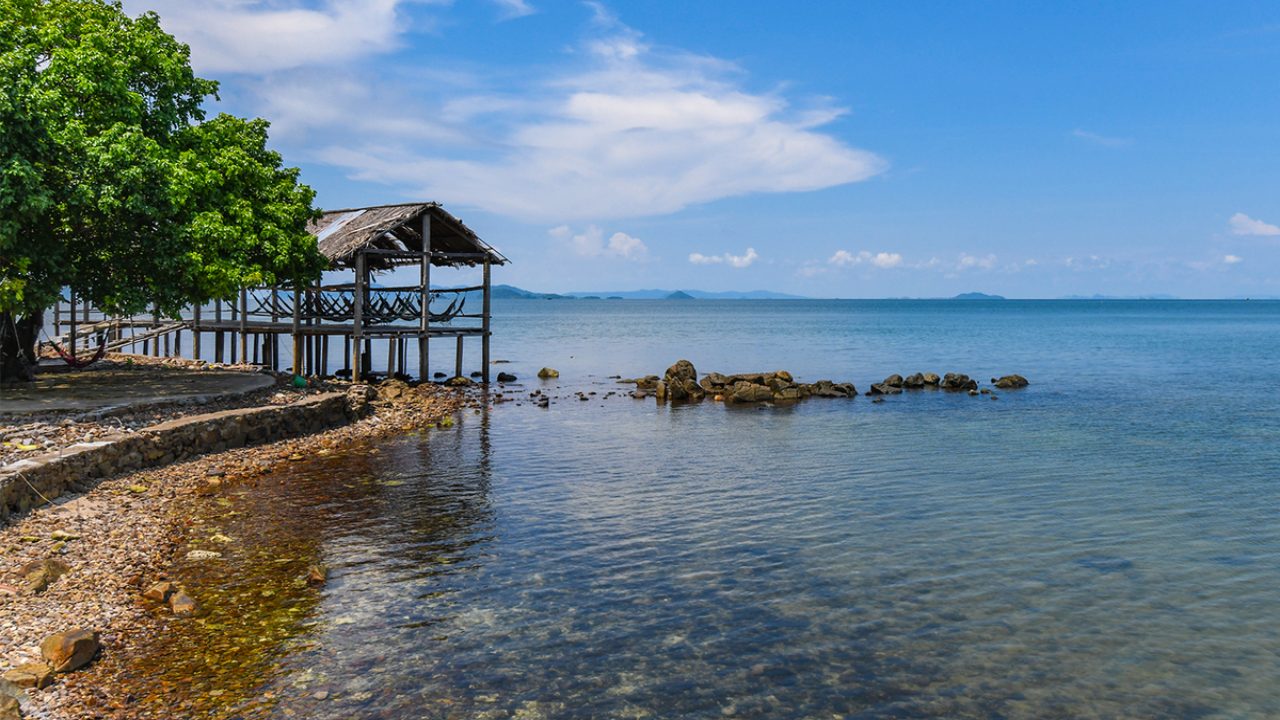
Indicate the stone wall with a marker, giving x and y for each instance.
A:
(79, 467)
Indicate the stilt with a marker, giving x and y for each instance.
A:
(424, 349)
(391, 357)
(195, 332)
(218, 335)
(457, 371)
(324, 356)
(484, 326)
(297, 331)
(244, 322)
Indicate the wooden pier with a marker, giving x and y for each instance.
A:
(332, 327)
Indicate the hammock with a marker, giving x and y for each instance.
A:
(78, 363)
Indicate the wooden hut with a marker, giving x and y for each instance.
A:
(360, 243)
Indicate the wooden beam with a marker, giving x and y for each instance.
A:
(357, 317)
(297, 327)
(424, 350)
(195, 332)
(484, 339)
(457, 371)
(244, 319)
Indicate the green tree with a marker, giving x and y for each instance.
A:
(113, 183)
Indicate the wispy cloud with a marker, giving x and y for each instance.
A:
(844, 258)
(591, 243)
(621, 129)
(256, 36)
(1232, 259)
(1242, 224)
(1103, 140)
(737, 261)
(514, 8)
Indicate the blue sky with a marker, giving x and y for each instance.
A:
(833, 149)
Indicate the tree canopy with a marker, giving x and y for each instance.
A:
(113, 182)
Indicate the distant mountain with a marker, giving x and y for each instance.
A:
(511, 292)
(977, 296)
(1120, 297)
(656, 294)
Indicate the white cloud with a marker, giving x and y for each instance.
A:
(844, 258)
(259, 36)
(1231, 259)
(737, 261)
(591, 243)
(1242, 224)
(621, 130)
(969, 262)
(1102, 140)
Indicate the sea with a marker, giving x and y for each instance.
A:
(1103, 543)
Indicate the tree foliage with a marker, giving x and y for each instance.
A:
(113, 182)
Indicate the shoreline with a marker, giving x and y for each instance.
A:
(124, 534)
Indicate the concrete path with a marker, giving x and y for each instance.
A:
(114, 386)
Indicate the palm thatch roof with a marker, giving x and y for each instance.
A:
(397, 230)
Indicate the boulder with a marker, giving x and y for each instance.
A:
(70, 650)
(884, 389)
(460, 381)
(750, 392)
(715, 382)
(31, 675)
(931, 378)
(505, 377)
(9, 707)
(893, 381)
(913, 381)
(957, 382)
(547, 373)
(1010, 381)
(681, 380)
(317, 574)
(40, 574)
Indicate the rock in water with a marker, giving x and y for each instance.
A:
(893, 381)
(931, 378)
(958, 382)
(159, 592)
(182, 604)
(913, 381)
(506, 377)
(9, 708)
(750, 392)
(40, 574)
(317, 574)
(547, 373)
(1010, 381)
(30, 675)
(70, 650)
(681, 380)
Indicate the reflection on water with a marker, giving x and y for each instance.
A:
(1059, 553)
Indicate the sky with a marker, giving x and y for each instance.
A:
(828, 149)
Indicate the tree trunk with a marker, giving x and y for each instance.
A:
(18, 346)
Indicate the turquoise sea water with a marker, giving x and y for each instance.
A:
(1101, 544)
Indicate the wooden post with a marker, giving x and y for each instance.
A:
(324, 356)
(218, 335)
(71, 303)
(484, 339)
(357, 316)
(457, 371)
(273, 345)
(195, 332)
(244, 323)
(424, 327)
(155, 323)
(297, 330)
(391, 356)
(57, 316)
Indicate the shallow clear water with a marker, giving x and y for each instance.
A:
(1101, 544)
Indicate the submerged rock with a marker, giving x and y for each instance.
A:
(182, 604)
(160, 591)
(547, 373)
(505, 377)
(71, 650)
(30, 675)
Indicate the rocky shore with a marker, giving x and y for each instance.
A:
(75, 575)
(680, 383)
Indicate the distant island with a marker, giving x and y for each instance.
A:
(977, 296)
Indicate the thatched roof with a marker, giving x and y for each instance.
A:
(340, 233)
